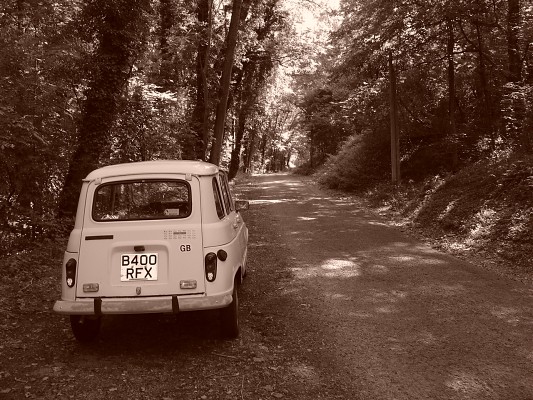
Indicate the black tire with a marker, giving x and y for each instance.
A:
(229, 317)
(85, 328)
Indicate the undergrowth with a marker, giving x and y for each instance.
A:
(485, 209)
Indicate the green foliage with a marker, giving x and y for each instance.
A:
(114, 81)
(261, 48)
(38, 110)
(325, 130)
(487, 207)
(361, 162)
(150, 125)
(456, 104)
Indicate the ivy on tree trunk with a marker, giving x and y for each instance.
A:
(120, 31)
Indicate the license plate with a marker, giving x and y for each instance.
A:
(138, 267)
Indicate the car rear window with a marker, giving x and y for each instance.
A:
(140, 200)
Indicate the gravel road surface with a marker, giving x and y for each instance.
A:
(336, 305)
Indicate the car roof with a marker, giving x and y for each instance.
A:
(154, 167)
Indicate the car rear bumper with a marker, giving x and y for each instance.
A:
(141, 305)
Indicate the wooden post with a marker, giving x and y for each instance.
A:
(394, 131)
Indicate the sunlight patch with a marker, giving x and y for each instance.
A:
(467, 383)
(458, 246)
(269, 201)
(427, 338)
(519, 223)
(332, 268)
(390, 297)
(378, 269)
(332, 264)
(448, 209)
(402, 258)
(306, 218)
(340, 268)
(507, 314)
(399, 244)
(338, 296)
(417, 260)
(386, 309)
(377, 223)
(305, 372)
(486, 219)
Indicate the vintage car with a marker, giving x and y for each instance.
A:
(154, 237)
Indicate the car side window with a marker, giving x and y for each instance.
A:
(218, 200)
(225, 193)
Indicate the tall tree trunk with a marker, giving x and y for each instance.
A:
(452, 133)
(236, 152)
(516, 128)
(120, 35)
(513, 42)
(200, 113)
(394, 128)
(167, 16)
(220, 120)
(487, 115)
(245, 100)
(263, 147)
(250, 149)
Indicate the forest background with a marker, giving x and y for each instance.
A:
(255, 86)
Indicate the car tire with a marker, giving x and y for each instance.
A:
(85, 328)
(229, 317)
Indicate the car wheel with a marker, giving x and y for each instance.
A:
(229, 317)
(85, 328)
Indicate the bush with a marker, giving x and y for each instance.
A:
(362, 161)
(305, 169)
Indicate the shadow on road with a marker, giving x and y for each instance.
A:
(402, 319)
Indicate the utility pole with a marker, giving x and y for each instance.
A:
(394, 129)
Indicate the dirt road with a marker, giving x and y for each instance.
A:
(337, 305)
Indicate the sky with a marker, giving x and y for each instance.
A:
(306, 12)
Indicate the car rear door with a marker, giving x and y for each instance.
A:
(142, 237)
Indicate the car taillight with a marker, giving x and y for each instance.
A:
(70, 268)
(210, 267)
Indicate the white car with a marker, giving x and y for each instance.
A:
(154, 237)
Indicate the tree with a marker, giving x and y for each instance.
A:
(513, 41)
(225, 81)
(451, 63)
(253, 75)
(200, 113)
(515, 97)
(37, 110)
(120, 28)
